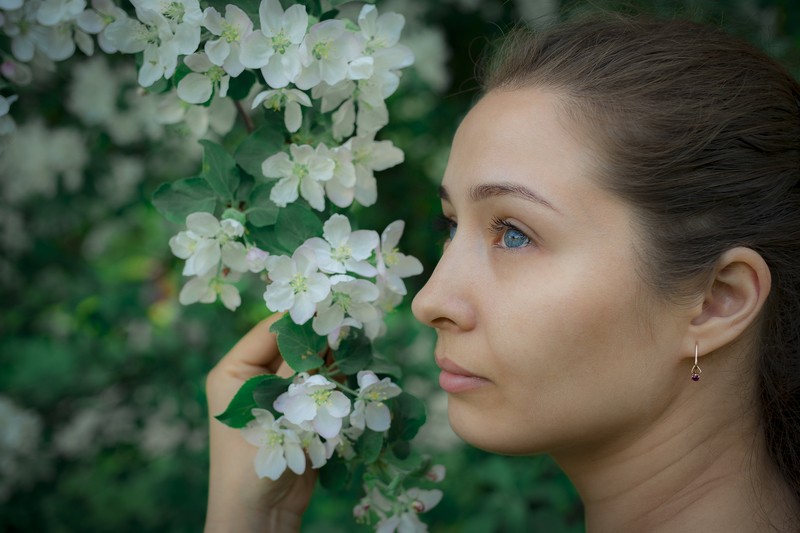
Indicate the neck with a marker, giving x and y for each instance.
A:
(708, 473)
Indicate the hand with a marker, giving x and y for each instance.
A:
(237, 499)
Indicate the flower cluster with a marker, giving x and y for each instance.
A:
(267, 203)
(311, 410)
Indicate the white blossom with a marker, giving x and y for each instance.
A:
(207, 287)
(297, 285)
(412, 502)
(275, 48)
(96, 19)
(341, 188)
(198, 86)
(278, 447)
(218, 117)
(370, 409)
(315, 400)
(348, 304)
(206, 242)
(393, 265)
(342, 249)
(325, 53)
(291, 99)
(7, 124)
(232, 29)
(368, 156)
(304, 170)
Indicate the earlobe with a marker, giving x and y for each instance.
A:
(740, 286)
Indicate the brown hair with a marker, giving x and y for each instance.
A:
(700, 133)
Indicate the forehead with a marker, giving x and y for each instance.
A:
(522, 136)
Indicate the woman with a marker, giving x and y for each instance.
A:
(627, 194)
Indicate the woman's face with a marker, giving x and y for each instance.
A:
(548, 339)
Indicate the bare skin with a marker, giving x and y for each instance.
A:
(238, 500)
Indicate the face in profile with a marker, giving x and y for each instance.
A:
(548, 338)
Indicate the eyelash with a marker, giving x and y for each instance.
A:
(500, 226)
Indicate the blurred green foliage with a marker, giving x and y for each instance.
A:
(96, 349)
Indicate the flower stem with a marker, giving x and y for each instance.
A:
(248, 122)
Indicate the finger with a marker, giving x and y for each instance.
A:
(256, 352)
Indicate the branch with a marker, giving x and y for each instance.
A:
(248, 122)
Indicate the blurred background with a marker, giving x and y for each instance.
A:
(102, 409)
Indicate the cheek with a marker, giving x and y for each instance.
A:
(560, 356)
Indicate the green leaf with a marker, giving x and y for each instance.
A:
(240, 86)
(369, 445)
(335, 475)
(266, 239)
(261, 211)
(329, 15)
(299, 344)
(177, 199)
(336, 3)
(238, 413)
(381, 365)
(313, 7)
(408, 416)
(295, 224)
(354, 354)
(257, 147)
(219, 169)
(266, 392)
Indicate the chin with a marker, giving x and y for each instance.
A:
(490, 434)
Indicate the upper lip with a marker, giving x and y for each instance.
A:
(449, 366)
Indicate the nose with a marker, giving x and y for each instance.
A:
(446, 300)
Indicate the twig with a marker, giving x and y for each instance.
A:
(248, 122)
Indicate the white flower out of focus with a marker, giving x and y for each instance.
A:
(297, 285)
(278, 447)
(413, 502)
(370, 409)
(305, 170)
(315, 400)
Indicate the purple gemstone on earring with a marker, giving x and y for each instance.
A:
(695, 377)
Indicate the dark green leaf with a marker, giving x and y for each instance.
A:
(354, 354)
(257, 147)
(266, 239)
(329, 15)
(295, 224)
(369, 445)
(299, 344)
(219, 169)
(335, 475)
(238, 413)
(266, 392)
(408, 415)
(261, 211)
(240, 86)
(313, 7)
(336, 3)
(177, 199)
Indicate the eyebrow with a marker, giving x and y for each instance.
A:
(490, 190)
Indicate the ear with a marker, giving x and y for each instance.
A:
(739, 287)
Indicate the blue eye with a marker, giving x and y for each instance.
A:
(510, 236)
(514, 238)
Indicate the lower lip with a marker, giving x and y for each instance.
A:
(454, 383)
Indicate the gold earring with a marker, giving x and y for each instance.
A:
(696, 369)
